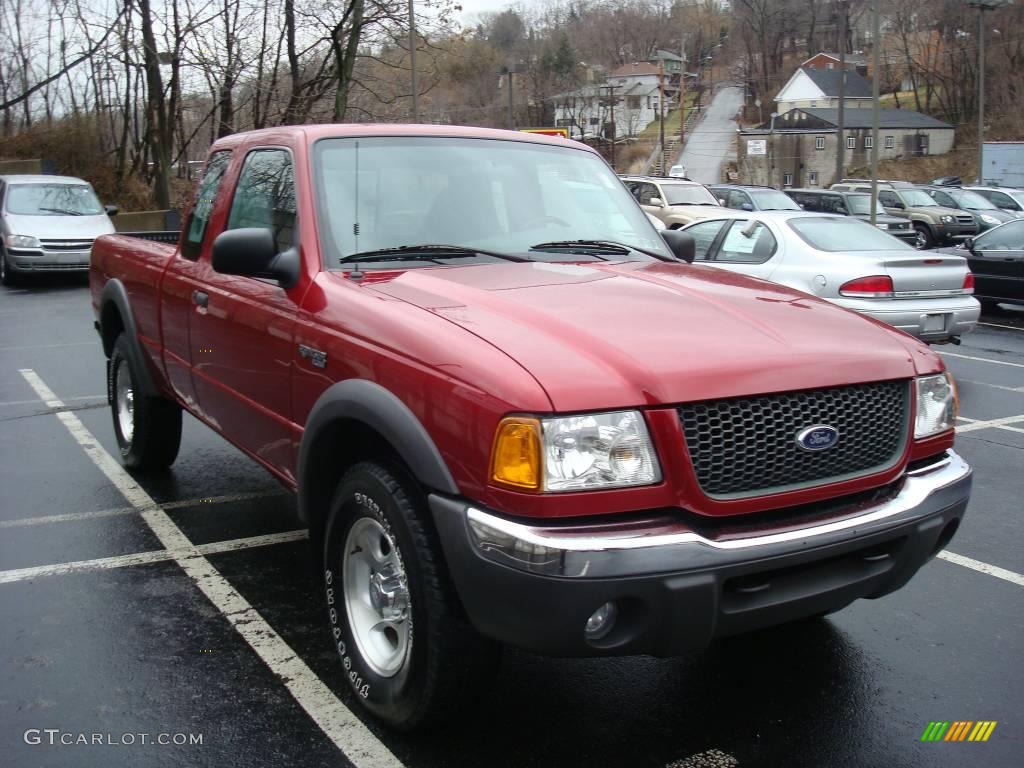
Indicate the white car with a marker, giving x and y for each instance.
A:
(848, 262)
(677, 172)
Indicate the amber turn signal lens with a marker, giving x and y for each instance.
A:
(515, 460)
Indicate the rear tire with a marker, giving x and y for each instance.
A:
(924, 237)
(989, 306)
(408, 652)
(148, 429)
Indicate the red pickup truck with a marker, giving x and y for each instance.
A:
(513, 414)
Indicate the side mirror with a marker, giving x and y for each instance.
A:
(746, 207)
(969, 244)
(682, 245)
(111, 210)
(656, 201)
(252, 252)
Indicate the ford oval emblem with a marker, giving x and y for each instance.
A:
(820, 437)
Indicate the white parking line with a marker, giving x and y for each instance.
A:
(144, 558)
(986, 384)
(337, 721)
(981, 359)
(21, 522)
(1002, 423)
(1007, 327)
(986, 568)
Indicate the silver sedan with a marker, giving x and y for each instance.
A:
(848, 262)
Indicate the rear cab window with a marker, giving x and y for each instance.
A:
(206, 195)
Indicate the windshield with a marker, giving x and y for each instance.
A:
(917, 198)
(501, 196)
(861, 205)
(686, 194)
(971, 200)
(838, 234)
(53, 200)
(770, 200)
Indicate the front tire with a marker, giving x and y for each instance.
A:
(408, 653)
(148, 429)
(924, 239)
(7, 275)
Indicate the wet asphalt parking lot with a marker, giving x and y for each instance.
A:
(182, 609)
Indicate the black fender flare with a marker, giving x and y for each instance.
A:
(374, 406)
(114, 293)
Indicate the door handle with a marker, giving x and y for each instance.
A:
(200, 298)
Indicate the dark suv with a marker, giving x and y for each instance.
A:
(744, 197)
(986, 213)
(856, 204)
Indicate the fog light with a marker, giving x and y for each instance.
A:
(600, 622)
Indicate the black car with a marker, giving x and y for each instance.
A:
(996, 258)
(986, 214)
(856, 204)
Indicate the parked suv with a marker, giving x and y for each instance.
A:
(855, 204)
(676, 202)
(753, 198)
(933, 223)
(986, 214)
(48, 224)
(1004, 198)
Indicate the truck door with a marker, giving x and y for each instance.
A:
(243, 330)
(182, 280)
(997, 260)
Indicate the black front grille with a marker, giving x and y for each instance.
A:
(70, 244)
(965, 219)
(748, 445)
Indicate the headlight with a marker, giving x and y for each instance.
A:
(989, 219)
(574, 453)
(936, 405)
(947, 219)
(21, 241)
(882, 226)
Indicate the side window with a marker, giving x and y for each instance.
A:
(265, 196)
(747, 242)
(1002, 200)
(1009, 237)
(738, 199)
(704, 235)
(943, 199)
(634, 189)
(206, 195)
(647, 191)
(889, 199)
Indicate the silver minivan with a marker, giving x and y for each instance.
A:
(48, 224)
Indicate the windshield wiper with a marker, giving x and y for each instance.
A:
(65, 211)
(596, 247)
(426, 252)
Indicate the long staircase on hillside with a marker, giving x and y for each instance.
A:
(666, 158)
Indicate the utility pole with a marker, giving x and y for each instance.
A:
(661, 111)
(511, 114)
(876, 65)
(612, 98)
(841, 125)
(982, 6)
(412, 65)
(682, 91)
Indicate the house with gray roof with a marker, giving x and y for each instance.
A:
(819, 89)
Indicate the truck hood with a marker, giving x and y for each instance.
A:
(59, 227)
(641, 333)
(695, 211)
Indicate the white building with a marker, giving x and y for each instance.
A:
(633, 90)
(819, 89)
